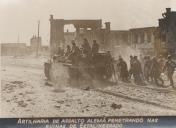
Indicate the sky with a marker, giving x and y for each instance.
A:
(19, 17)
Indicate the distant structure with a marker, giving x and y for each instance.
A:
(35, 43)
(21, 49)
(13, 49)
(18, 49)
(36, 47)
(143, 39)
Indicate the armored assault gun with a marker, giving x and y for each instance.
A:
(98, 67)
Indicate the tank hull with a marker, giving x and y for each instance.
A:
(68, 75)
(57, 73)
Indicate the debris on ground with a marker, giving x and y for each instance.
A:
(115, 106)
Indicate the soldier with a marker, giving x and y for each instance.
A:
(109, 65)
(169, 67)
(147, 68)
(156, 72)
(60, 51)
(141, 59)
(95, 48)
(68, 51)
(131, 69)
(137, 71)
(161, 61)
(75, 53)
(117, 67)
(110, 58)
(86, 48)
(86, 52)
(123, 70)
(75, 49)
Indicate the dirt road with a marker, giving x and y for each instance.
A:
(24, 93)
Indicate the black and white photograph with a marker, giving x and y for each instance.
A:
(87, 58)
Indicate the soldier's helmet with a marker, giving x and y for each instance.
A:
(68, 46)
(94, 41)
(169, 57)
(154, 58)
(160, 56)
(121, 59)
(73, 42)
(131, 56)
(145, 57)
(135, 57)
(148, 57)
(85, 40)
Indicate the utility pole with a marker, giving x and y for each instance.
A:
(38, 39)
(18, 39)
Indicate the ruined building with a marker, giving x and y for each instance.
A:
(160, 40)
(167, 32)
(90, 29)
(147, 40)
(143, 39)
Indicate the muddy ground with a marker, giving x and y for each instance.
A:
(25, 93)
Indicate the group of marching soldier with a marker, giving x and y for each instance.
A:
(142, 69)
(147, 69)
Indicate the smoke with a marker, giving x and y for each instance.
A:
(66, 76)
(125, 51)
